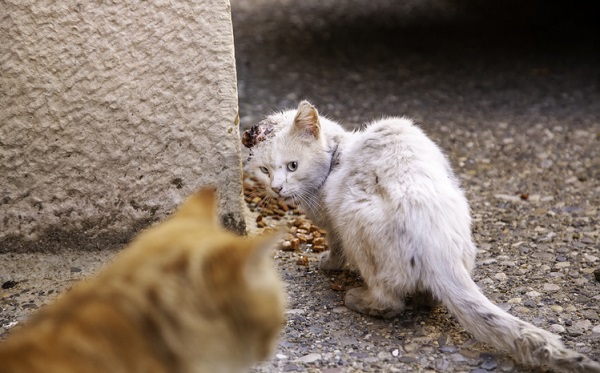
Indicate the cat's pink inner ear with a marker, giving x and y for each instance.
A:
(307, 119)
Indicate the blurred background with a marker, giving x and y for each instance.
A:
(473, 63)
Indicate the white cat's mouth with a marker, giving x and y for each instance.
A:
(288, 199)
(284, 197)
(280, 195)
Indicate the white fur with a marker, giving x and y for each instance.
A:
(394, 209)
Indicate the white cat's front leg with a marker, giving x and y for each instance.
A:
(330, 261)
(333, 259)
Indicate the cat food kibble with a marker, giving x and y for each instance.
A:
(301, 233)
(302, 261)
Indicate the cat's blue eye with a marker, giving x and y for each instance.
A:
(264, 170)
(292, 166)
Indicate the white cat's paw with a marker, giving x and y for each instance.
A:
(331, 262)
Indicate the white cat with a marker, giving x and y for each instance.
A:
(394, 209)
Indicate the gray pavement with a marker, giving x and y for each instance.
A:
(511, 93)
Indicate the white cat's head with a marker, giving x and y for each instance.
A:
(288, 153)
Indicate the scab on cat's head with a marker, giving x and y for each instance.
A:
(256, 133)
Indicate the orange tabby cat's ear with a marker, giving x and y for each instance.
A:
(262, 248)
(265, 243)
(202, 206)
(307, 119)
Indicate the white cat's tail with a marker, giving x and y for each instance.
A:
(488, 323)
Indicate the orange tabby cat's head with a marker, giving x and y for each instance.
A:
(234, 278)
(241, 281)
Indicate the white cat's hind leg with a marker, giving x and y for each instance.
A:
(375, 303)
(425, 299)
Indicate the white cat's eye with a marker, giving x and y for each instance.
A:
(264, 170)
(292, 166)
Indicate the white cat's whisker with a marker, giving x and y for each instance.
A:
(265, 201)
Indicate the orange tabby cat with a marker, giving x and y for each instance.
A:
(186, 296)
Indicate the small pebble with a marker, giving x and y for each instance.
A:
(383, 355)
(507, 365)
(489, 364)
(591, 315)
(583, 324)
(441, 364)
(310, 358)
(449, 349)
(443, 340)
(408, 358)
(292, 368)
(9, 284)
(410, 347)
(551, 287)
(457, 357)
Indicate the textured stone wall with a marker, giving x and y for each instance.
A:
(111, 113)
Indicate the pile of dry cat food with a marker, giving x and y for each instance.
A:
(301, 233)
(303, 239)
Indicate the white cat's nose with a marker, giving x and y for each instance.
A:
(277, 190)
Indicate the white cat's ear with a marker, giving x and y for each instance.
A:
(307, 119)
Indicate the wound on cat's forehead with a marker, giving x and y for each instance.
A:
(257, 133)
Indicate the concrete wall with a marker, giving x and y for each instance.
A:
(110, 114)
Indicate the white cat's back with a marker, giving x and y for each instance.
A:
(393, 155)
(393, 185)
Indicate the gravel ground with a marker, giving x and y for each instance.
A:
(516, 106)
(512, 95)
